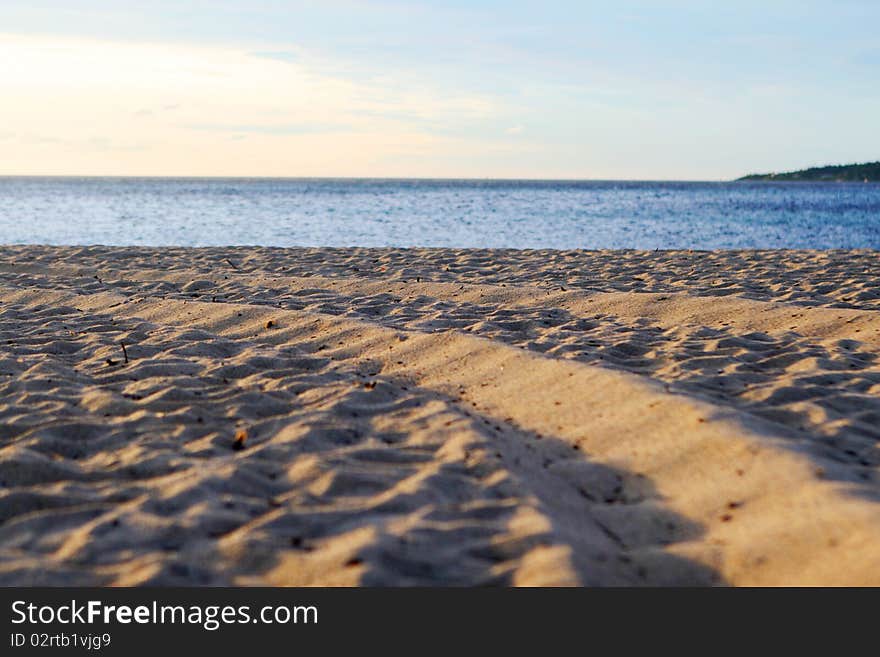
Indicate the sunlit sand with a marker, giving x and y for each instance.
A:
(413, 416)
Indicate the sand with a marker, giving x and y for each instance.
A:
(438, 417)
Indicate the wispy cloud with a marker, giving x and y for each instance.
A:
(279, 55)
(311, 128)
(175, 99)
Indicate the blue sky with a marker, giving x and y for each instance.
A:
(647, 90)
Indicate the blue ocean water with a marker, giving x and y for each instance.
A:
(453, 213)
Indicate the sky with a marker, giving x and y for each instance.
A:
(649, 90)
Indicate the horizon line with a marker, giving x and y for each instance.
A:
(362, 178)
(741, 179)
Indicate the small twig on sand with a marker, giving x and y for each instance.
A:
(232, 264)
(124, 352)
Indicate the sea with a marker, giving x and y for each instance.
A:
(439, 213)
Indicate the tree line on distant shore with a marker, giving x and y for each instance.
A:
(869, 172)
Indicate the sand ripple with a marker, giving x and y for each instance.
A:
(438, 417)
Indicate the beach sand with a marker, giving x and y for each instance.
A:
(256, 416)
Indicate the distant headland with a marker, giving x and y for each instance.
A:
(869, 172)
